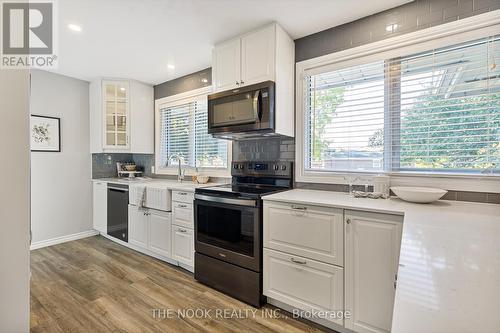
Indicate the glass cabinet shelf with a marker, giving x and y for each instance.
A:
(116, 106)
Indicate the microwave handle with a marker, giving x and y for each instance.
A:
(256, 108)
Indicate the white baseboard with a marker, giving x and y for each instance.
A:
(63, 239)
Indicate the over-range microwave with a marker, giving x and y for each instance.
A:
(244, 112)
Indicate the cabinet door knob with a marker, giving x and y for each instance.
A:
(348, 221)
(242, 82)
(237, 83)
(182, 230)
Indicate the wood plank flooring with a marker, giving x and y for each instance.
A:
(95, 285)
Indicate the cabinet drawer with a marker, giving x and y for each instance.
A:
(303, 283)
(183, 196)
(309, 231)
(182, 214)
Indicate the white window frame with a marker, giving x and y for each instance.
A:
(184, 98)
(468, 29)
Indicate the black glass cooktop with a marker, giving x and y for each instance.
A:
(243, 189)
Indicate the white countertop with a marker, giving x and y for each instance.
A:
(449, 274)
(167, 183)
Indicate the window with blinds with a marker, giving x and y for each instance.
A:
(345, 119)
(183, 132)
(436, 111)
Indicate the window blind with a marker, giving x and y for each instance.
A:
(209, 151)
(184, 132)
(449, 117)
(175, 136)
(436, 111)
(345, 119)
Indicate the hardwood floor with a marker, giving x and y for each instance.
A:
(95, 285)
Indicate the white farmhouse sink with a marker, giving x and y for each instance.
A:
(418, 194)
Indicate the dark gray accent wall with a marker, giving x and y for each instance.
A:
(416, 15)
(185, 83)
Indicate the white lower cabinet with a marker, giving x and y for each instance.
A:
(150, 229)
(324, 258)
(100, 207)
(183, 245)
(137, 226)
(303, 283)
(371, 262)
(160, 229)
(309, 231)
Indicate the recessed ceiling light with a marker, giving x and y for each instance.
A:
(74, 27)
(170, 66)
(122, 89)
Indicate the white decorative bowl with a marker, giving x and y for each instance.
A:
(418, 194)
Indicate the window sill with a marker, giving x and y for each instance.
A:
(454, 182)
(189, 172)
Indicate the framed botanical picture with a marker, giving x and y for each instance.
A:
(45, 133)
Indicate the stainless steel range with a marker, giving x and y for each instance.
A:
(228, 228)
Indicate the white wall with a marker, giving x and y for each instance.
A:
(61, 191)
(14, 201)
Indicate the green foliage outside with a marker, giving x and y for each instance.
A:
(452, 128)
(463, 141)
(324, 103)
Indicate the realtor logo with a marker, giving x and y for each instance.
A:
(28, 34)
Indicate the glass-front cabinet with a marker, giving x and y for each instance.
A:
(116, 112)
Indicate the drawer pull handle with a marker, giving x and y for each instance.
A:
(348, 221)
(182, 230)
(182, 206)
(299, 208)
(301, 262)
(182, 193)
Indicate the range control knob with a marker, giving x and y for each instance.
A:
(235, 166)
(276, 167)
(283, 167)
(241, 166)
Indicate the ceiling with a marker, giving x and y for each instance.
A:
(138, 39)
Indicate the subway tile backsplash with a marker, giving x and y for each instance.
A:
(265, 149)
(268, 149)
(104, 165)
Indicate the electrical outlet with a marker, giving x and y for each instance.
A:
(152, 169)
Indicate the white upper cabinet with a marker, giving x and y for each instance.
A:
(115, 104)
(258, 56)
(371, 261)
(227, 60)
(265, 54)
(121, 116)
(261, 55)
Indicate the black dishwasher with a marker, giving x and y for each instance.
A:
(118, 211)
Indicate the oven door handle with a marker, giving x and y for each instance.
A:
(231, 201)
